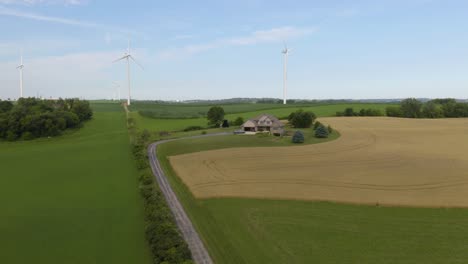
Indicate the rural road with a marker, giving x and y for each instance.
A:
(199, 253)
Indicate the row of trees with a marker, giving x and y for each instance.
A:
(31, 118)
(437, 108)
(164, 239)
(363, 112)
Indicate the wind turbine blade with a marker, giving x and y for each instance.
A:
(128, 49)
(131, 57)
(119, 59)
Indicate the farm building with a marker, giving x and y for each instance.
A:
(263, 123)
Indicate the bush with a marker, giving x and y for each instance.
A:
(394, 111)
(165, 241)
(238, 122)
(330, 129)
(349, 112)
(164, 133)
(317, 124)
(298, 137)
(321, 132)
(193, 128)
(203, 132)
(301, 119)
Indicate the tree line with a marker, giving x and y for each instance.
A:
(164, 239)
(437, 108)
(32, 118)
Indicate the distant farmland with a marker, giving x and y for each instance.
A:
(74, 198)
(183, 113)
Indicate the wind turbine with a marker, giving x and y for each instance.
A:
(117, 86)
(127, 56)
(285, 70)
(20, 68)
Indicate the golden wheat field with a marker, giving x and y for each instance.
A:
(391, 161)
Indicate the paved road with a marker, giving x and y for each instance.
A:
(199, 253)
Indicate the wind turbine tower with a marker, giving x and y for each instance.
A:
(20, 68)
(127, 56)
(285, 70)
(117, 86)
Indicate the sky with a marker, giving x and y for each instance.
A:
(213, 49)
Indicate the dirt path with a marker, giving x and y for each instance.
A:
(199, 253)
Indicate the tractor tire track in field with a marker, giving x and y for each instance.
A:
(199, 253)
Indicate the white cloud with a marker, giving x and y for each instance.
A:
(272, 35)
(37, 2)
(257, 37)
(59, 20)
(70, 75)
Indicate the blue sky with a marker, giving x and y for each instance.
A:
(223, 49)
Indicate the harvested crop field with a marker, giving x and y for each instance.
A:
(410, 162)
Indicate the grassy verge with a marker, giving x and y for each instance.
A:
(72, 199)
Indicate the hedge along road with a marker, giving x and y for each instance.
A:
(199, 253)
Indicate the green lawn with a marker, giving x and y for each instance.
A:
(281, 112)
(74, 198)
(269, 231)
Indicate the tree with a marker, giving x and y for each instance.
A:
(5, 106)
(349, 112)
(432, 109)
(317, 124)
(298, 137)
(301, 119)
(82, 109)
(394, 111)
(31, 118)
(238, 122)
(321, 132)
(215, 116)
(411, 108)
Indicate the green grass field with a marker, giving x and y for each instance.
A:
(281, 112)
(269, 231)
(74, 198)
(183, 110)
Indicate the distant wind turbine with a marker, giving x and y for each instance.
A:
(117, 85)
(285, 70)
(20, 68)
(127, 56)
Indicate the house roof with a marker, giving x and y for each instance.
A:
(265, 120)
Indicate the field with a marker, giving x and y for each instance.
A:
(183, 110)
(242, 230)
(74, 198)
(251, 110)
(376, 161)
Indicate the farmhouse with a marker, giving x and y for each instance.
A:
(263, 123)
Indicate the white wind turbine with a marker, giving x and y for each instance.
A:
(285, 70)
(20, 68)
(127, 56)
(117, 86)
